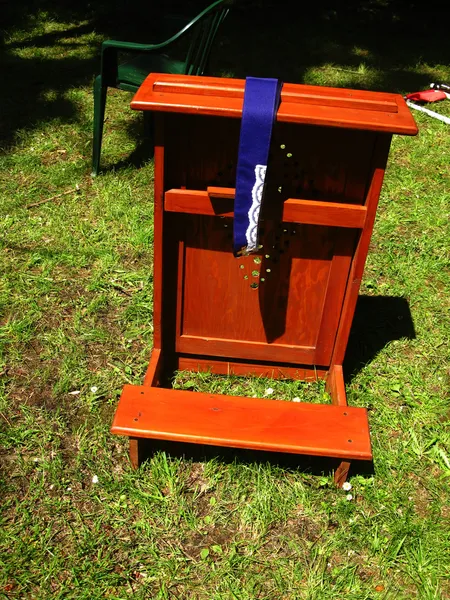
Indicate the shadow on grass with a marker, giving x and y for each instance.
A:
(378, 320)
(313, 465)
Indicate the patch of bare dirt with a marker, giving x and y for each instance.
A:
(300, 531)
(215, 536)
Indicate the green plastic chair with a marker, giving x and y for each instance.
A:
(151, 58)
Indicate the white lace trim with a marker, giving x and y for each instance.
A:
(253, 214)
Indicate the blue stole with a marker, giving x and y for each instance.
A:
(261, 101)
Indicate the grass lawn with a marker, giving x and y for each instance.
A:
(75, 325)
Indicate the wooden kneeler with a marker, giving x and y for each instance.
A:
(285, 312)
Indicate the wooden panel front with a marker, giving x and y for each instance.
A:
(276, 305)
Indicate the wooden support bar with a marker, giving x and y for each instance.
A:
(217, 202)
(254, 423)
(247, 369)
(193, 344)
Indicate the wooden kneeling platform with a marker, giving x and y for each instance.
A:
(237, 422)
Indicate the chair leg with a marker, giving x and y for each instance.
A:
(99, 116)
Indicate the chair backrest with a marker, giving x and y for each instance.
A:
(205, 30)
(202, 29)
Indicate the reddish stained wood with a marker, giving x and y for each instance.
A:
(351, 296)
(314, 429)
(335, 385)
(154, 369)
(158, 212)
(272, 371)
(191, 344)
(134, 452)
(204, 306)
(220, 315)
(341, 473)
(310, 212)
(221, 192)
(315, 105)
(219, 303)
(343, 98)
(336, 286)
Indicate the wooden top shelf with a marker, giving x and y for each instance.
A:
(307, 104)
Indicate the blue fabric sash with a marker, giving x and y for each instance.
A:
(261, 100)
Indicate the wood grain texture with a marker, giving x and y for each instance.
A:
(268, 307)
(348, 109)
(314, 429)
(308, 212)
(331, 309)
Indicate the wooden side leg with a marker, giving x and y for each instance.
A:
(336, 388)
(134, 452)
(341, 473)
(141, 449)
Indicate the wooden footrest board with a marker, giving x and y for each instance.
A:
(254, 423)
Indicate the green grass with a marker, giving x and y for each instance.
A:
(75, 325)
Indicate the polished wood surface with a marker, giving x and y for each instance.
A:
(315, 429)
(314, 105)
(260, 307)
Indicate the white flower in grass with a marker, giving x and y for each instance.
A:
(95, 479)
(346, 486)
(349, 497)
(69, 489)
(268, 392)
(94, 389)
(296, 399)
